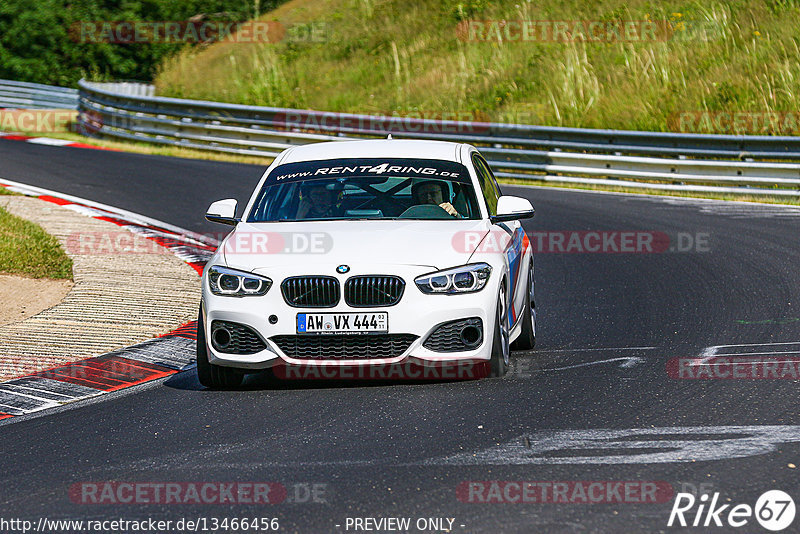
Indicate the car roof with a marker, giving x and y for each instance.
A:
(373, 148)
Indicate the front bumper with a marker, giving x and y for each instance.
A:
(417, 314)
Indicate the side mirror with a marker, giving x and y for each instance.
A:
(223, 212)
(512, 209)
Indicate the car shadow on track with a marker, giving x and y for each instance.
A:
(267, 380)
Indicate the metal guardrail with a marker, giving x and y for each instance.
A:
(687, 162)
(36, 96)
(130, 88)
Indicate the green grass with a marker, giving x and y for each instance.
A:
(26, 249)
(393, 56)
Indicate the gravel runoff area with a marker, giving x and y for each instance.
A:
(119, 297)
(24, 297)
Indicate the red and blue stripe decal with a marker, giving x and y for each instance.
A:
(514, 254)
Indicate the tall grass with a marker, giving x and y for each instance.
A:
(392, 56)
(26, 249)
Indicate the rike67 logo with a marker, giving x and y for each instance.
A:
(774, 510)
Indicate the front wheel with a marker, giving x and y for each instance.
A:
(500, 346)
(527, 337)
(210, 375)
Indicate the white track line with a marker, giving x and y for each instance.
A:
(629, 362)
(709, 353)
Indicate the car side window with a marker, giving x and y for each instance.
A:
(487, 182)
(494, 180)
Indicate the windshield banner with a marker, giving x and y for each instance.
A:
(373, 167)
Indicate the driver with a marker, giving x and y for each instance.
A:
(433, 192)
(317, 201)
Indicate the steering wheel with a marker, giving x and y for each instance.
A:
(425, 211)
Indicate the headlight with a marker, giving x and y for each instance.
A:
(466, 279)
(232, 283)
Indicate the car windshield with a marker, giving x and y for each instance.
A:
(387, 188)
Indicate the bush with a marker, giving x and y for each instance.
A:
(37, 44)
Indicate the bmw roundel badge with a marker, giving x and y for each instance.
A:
(343, 269)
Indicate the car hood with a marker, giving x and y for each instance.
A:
(435, 244)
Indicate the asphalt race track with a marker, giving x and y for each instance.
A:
(593, 402)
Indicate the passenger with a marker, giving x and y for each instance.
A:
(433, 192)
(317, 201)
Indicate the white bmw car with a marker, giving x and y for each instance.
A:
(368, 253)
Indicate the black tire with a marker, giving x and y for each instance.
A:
(527, 338)
(500, 346)
(210, 375)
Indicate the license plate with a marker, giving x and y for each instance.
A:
(342, 323)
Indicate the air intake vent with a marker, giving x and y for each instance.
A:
(311, 291)
(235, 338)
(455, 336)
(344, 347)
(373, 291)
